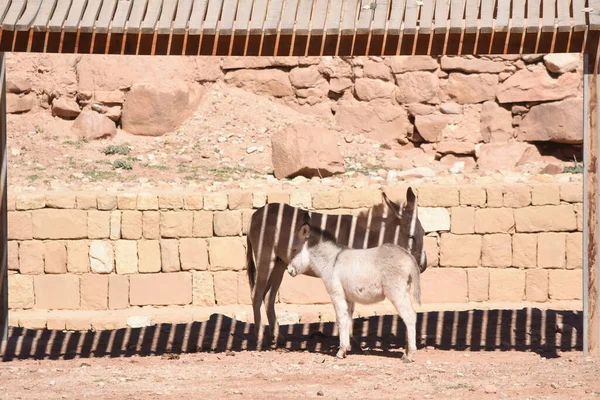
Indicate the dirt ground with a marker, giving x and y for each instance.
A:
(436, 374)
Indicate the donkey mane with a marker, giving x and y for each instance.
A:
(322, 234)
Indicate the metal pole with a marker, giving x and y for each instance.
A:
(586, 143)
(3, 206)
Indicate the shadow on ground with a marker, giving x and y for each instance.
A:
(529, 329)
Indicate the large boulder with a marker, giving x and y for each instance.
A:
(18, 85)
(304, 150)
(556, 122)
(505, 156)
(270, 82)
(537, 85)
(472, 88)
(496, 123)
(65, 107)
(153, 110)
(16, 104)
(383, 122)
(92, 125)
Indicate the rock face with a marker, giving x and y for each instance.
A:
(92, 125)
(303, 150)
(505, 156)
(65, 107)
(537, 85)
(152, 110)
(383, 122)
(274, 83)
(557, 122)
(16, 104)
(496, 123)
(473, 88)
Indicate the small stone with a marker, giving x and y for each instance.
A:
(451, 108)
(554, 385)
(221, 139)
(251, 149)
(320, 393)
(138, 321)
(552, 169)
(490, 389)
(15, 152)
(349, 138)
(457, 168)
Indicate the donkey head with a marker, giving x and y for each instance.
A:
(402, 208)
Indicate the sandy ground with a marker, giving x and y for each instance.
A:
(436, 374)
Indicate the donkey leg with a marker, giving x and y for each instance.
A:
(274, 284)
(351, 314)
(343, 320)
(402, 303)
(257, 299)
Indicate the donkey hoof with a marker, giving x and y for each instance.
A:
(340, 355)
(280, 340)
(407, 360)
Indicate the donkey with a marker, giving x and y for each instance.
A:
(272, 227)
(364, 276)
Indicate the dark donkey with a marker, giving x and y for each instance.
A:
(273, 226)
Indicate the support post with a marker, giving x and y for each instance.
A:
(591, 312)
(3, 207)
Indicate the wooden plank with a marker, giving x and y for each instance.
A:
(564, 15)
(334, 18)
(593, 14)
(303, 17)
(184, 9)
(197, 17)
(86, 25)
(167, 15)
(26, 20)
(60, 13)
(410, 17)
(228, 17)
(75, 15)
(288, 18)
(579, 15)
(487, 16)
(151, 17)
(212, 17)
(4, 6)
(380, 17)
(456, 16)
(548, 15)
(426, 18)
(502, 17)
(442, 10)
(533, 15)
(396, 16)
(106, 13)
(471, 15)
(273, 17)
(13, 14)
(317, 26)
(258, 17)
(242, 19)
(517, 23)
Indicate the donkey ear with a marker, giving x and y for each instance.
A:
(411, 197)
(304, 231)
(393, 206)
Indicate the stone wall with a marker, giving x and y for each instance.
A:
(102, 251)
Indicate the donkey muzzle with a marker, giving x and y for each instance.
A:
(291, 270)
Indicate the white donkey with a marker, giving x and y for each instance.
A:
(364, 276)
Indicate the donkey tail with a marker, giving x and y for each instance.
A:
(415, 275)
(250, 266)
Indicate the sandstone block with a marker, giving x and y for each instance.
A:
(472, 196)
(367, 89)
(59, 224)
(127, 201)
(118, 292)
(115, 225)
(472, 88)
(435, 196)
(170, 201)
(278, 197)
(31, 257)
(57, 292)
(107, 202)
(176, 224)
(244, 294)
(203, 289)
(546, 218)
(86, 201)
(507, 285)
(571, 192)
(537, 85)
(399, 65)
(160, 289)
(463, 220)
(225, 287)
(94, 292)
(147, 201)
(193, 202)
(20, 288)
(561, 63)
(517, 196)
(326, 199)
(506, 156)
(131, 225)
(479, 284)
(78, 256)
(126, 257)
(55, 257)
(471, 66)
(496, 251)
(203, 224)
(101, 257)
(20, 225)
(193, 254)
(565, 284)
(30, 202)
(227, 253)
(246, 216)
(495, 196)
(13, 256)
(169, 254)
(579, 215)
(215, 201)
(259, 199)
(460, 250)
(239, 200)
(149, 256)
(494, 220)
(551, 250)
(416, 87)
(98, 225)
(357, 198)
(301, 199)
(444, 285)
(525, 250)
(151, 225)
(303, 289)
(574, 250)
(556, 122)
(434, 219)
(496, 123)
(542, 195)
(92, 126)
(431, 251)
(227, 223)
(537, 285)
(61, 200)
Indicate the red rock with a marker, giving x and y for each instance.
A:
(557, 122)
(19, 104)
(451, 147)
(552, 169)
(505, 156)
(560, 63)
(376, 121)
(473, 88)
(306, 77)
(65, 107)
(416, 87)
(430, 127)
(471, 65)
(304, 150)
(377, 70)
(371, 89)
(496, 123)
(271, 82)
(18, 85)
(402, 64)
(92, 125)
(537, 85)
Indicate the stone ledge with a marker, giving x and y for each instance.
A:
(287, 314)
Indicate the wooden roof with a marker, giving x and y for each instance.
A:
(297, 27)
